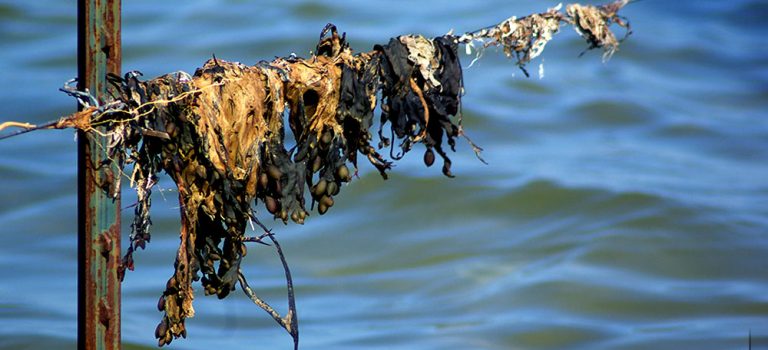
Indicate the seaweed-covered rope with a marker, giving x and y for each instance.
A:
(220, 135)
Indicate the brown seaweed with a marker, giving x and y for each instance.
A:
(220, 135)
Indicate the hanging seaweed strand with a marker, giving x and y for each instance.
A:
(219, 135)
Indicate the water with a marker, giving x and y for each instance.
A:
(625, 205)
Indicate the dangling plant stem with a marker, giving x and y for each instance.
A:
(291, 321)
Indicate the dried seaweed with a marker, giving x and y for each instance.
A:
(526, 37)
(219, 135)
(593, 22)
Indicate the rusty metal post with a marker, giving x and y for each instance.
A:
(98, 308)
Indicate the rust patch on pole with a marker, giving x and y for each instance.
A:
(99, 53)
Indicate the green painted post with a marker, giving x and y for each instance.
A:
(99, 53)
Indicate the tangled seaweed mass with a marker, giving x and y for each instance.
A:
(219, 135)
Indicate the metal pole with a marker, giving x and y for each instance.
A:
(98, 308)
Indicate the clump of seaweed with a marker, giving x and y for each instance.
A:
(526, 37)
(219, 135)
(593, 22)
